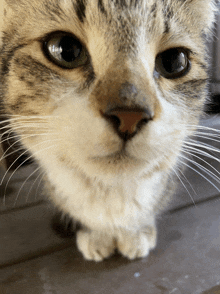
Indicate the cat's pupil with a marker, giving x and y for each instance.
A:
(69, 48)
(173, 61)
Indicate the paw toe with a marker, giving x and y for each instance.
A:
(94, 246)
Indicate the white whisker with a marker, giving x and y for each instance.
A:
(16, 142)
(184, 186)
(189, 166)
(38, 186)
(190, 153)
(211, 174)
(48, 147)
(205, 128)
(23, 153)
(187, 181)
(24, 184)
(37, 178)
(201, 152)
(203, 145)
(21, 128)
(208, 138)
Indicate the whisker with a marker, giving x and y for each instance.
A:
(37, 178)
(21, 128)
(212, 132)
(24, 184)
(38, 186)
(48, 147)
(23, 123)
(187, 152)
(187, 181)
(205, 128)
(211, 174)
(189, 166)
(23, 153)
(203, 145)
(18, 141)
(10, 117)
(184, 186)
(209, 138)
(202, 152)
(11, 153)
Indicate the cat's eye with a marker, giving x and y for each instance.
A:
(173, 63)
(65, 50)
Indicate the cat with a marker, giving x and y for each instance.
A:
(104, 95)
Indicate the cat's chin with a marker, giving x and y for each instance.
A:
(115, 165)
(109, 166)
(125, 164)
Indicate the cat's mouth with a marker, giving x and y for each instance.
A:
(119, 157)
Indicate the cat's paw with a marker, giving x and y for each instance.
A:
(137, 245)
(95, 245)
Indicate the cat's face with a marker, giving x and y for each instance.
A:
(67, 64)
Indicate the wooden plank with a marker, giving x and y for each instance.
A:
(186, 260)
(28, 233)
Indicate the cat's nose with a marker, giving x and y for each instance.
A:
(127, 122)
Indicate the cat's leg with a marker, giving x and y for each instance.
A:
(95, 245)
(137, 244)
(64, 225)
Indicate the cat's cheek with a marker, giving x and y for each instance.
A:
(159, 144)
(87, 134)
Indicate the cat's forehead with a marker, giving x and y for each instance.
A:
(119, 20)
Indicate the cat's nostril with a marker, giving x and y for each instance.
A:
(114, 120)
(128, 121)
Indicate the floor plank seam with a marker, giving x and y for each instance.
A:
(38, 254)
(23, 207)
(200, 202)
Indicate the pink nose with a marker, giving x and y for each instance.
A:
(127, 122)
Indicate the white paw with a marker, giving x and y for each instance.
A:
(95, 245)
(136, 245)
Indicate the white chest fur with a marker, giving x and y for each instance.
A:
(127, 203)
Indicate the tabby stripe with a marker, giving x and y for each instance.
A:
(121, 3)
(168, 14)
(6, 61)
(194, 82)
(166, 27)
(34, 68)
(80, 9)
(101, 7)
(127, 3)
(135, 3)
(191, 88)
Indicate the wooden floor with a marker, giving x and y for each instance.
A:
(34, 260)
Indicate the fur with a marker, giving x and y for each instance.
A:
(115, 190)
